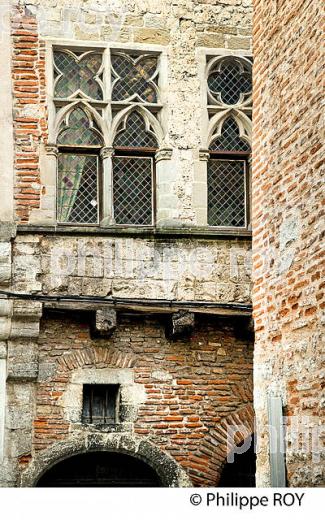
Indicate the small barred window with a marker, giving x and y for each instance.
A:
(101, 404)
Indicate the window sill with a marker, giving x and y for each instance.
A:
(137, 231)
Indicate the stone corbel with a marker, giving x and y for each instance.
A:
(51, 149)
(164, 154)
(181, 325)
(104, 323)
(204, 155)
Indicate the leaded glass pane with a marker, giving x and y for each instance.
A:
(132, 190)
(77, 188)
(79, 132)
(230, 141)
(134, 78)
(77, 74)
(135, 134)
(230, 82)
(226, 193)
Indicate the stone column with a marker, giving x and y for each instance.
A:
(200, 188)
(106, 155)
(166, 200)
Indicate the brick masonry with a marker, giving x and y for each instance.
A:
(191, 388)
(30, 126)
(288, 261)
(181, 396)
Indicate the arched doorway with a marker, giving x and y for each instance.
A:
(100, 469)
(240, 472)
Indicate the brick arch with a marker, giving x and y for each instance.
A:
(96, 357)
(207, 466)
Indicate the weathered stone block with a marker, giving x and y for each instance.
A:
(104, 323)
(181, 324)
(149, 35)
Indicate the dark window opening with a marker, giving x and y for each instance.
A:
(100, 404)
(240, 472)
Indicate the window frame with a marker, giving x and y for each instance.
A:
(145, 153)
(88, 394)
(220, 111)
(93, 151)
(233, 156)
(108, 110)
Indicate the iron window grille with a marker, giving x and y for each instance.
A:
(101, 404)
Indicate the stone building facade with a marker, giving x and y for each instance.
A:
(288, 227)
(148, 306)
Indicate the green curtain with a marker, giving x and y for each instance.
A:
(70, 169)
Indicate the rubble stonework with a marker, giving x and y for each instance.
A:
(287, 182)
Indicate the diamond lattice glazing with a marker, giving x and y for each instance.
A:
(226, 193)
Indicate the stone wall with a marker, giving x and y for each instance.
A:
(179, 396)
(188, 269)
(183, 29)
(287, 231)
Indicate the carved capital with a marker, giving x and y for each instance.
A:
(51, 149)
(107, 152)
(164, 154)
(204, 155)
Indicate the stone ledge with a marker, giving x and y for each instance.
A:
(151, 232)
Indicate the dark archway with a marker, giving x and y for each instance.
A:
(240, 472)
(100, 469)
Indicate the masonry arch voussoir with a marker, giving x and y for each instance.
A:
(168, 470)
(231, 431)
(96, 356)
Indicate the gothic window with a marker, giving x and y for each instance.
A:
(133, 172)
(78, 74)
(79, 142)
(228, 178)
(229, 95)
(94, 90)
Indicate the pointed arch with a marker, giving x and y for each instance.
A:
(217, 121)
(93, 116)
(152, 125)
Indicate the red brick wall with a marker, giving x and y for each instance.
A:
(211, 385)
(28, 76)
(288, 266)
